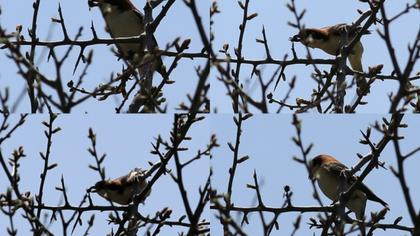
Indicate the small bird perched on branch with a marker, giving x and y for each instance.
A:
(122, 190)
(332, 180)
(123, 19)
(329, 39)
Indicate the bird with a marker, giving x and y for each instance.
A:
(123, 19)
(332, 180)
(122, 190)
(328, 39)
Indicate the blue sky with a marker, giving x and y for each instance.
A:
(274, 15)
(126, 139)
(177, 23)
(127, 142)
(267, 139)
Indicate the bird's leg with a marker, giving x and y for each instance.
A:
(362, 227)
(360, 223)
(133, 218)
(341, 202)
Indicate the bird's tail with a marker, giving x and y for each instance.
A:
(371, 196)
(382, 202)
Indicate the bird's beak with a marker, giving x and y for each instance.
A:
(93, 3)
(295, 38)
(92, 189)
(310, 176)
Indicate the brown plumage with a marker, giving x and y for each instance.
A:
(333, 178)
(122, 190)
(329, 38)
(123, 19)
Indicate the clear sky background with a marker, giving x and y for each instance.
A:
(177, 23)
(274, 15)
(268, 141)
(127, 142)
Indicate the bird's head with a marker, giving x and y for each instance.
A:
(120, 4)
(310, 36)
(316, 163)
(99, 187)
(304, 36)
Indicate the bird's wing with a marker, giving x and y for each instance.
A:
(342, 170)
(140, 15)
(135, 175)
(370, 195)
(319, 34)
(122, 182)
(126, 180)
(115, 185)
(338, 29)
(336, 168)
